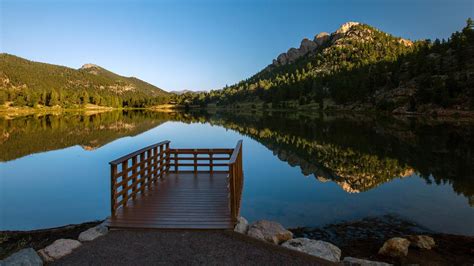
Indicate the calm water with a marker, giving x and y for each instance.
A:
(300, 170)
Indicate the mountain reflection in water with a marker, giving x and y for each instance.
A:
(357, 153)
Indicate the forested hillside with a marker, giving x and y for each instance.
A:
(359, 67)
(28, 83)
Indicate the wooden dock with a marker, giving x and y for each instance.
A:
(160, 187)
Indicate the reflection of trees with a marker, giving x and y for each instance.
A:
(360, 153)
(31, 134)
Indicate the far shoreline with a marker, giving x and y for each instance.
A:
(435, 114)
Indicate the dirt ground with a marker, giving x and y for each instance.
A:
(361, 239)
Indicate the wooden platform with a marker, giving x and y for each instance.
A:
(181, 200)
(161, 187)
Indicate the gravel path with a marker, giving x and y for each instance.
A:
(151, 247)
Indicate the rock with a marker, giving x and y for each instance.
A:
(395, 247)
(87, 66)
(321, 38)
(316, 248)
(269, 231)
(282, 59)
(350, 261)
(307, 46)
(421, 241)
(405, 42)
(59, 249)
(341, 32)
(93, 233)
(242, 225)
(24, 257)
(346, 27)
(293, 54)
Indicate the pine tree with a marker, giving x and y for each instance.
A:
(53, 98)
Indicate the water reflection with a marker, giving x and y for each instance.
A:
(26, 135)
(360, 152)
(362, 165)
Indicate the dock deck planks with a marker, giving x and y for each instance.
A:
(182, 200)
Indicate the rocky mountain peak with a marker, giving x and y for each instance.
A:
(344, 33)
(346, 27)
(307, 46)
(89, 66)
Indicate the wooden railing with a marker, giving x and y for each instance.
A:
(236, 179)
(192, 160)
(134, 173)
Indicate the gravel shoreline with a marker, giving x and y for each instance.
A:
(360, 239)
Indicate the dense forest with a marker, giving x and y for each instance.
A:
(362, 68)
(28, 83)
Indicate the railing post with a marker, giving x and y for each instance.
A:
(113, 174)
(176, 161)
(167, 158)
(142, 172)
(232, 191)
(161, 166)
(125, 181)
(154, 165)
(211, 162)
(149, 167)
(195, 162)
(134, 172)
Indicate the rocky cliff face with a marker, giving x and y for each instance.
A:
(324, 39)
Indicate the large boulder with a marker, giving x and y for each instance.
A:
(93, 233)
(24, 257)
(350, 261)
(307, 46)
(282, 59)
(269, 231)
(395, 247)
(59, 249)
(321, 38)
(242, 225)
(421, 241)
(293, 54)
(316, 248)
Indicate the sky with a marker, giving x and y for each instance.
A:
(201, 45)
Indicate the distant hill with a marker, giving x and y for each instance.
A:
(25, 82)
(181, 92)
(359, 67)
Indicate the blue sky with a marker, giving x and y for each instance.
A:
(201, 45)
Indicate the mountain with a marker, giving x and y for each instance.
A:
(25, 82)
(181, 92)
(359, 67)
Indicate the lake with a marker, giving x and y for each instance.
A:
(300, 169)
